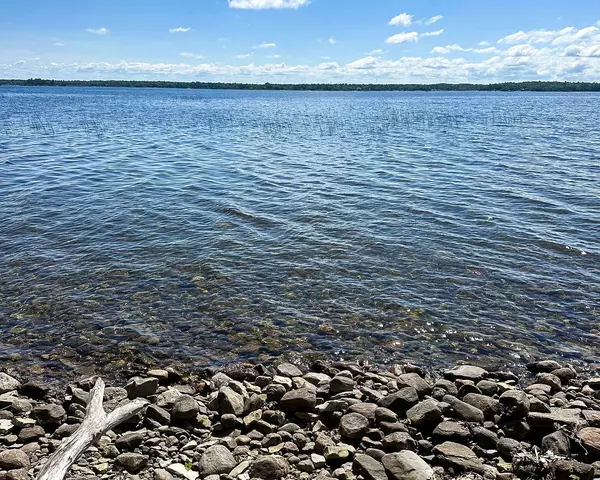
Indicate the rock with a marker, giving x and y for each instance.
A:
(180, 471)
(31, 434)
(458, 456)
(549, 379)
(132, 462)
(488, 405)
(514, 404)
(425, 415)
(383, 414)
(160, 474)
(406, 465)
(570, 470)
(484, 438)
(50, 414)
(400, 401)
(184, 408)
(167, 398)
(353, 426)
(340, 384)
(269, 467)
(487, 387)
(557, 443)
(565, 375)
(592, 417)
(130, 440)
(369, 468)
(397, 441)
(13, 459)
(451, 431)
(518, 429)
(338, 453)
(507, 447)
(365, 409)
(229, 401)
(158, 414)
(562, 416)
(301, 399)
(34, 390)
(139, 387)
(18, 474)
(466, 372)
(464, 411)
(8, 383)
(6, 426)
(415, 381)
(216, 460)
(318, 461)
(590, 437)
(543, 366)
(289, 370)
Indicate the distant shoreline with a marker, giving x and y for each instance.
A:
(338, 87)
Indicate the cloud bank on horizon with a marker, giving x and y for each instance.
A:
(307, 41)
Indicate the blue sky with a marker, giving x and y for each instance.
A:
(374, 41)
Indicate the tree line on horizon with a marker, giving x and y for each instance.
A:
(536, 86)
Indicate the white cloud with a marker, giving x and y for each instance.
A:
(379, 51)
(326, 57)
(447, 49)
(402, 20)
(576, 35)
(265, 45)
(485, 50)
(404, 37)
(435, 19)
(524, 50)
(484, 44)
(432, 34)
(180, 30)
(59, 44)
(265, 4)
(98, 31)
(191, 55)
(591, 51)
(272, 56)
(332, 41)
(20, 62)
(243, 55)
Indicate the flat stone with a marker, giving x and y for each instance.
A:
(353, 426)
(6, 426)
(365, 409)
(8, 383)
(132, 462)
(31, 434)
(130, 440)
(369, 468)
(564, 416)
(415, 381)
(180, 471)
(464, 411)
(289, 370)
(451, 431)
(269, 467)
(301, 399)
(139, 387)
(592, 417)
(590, 437)
(426, 414)
(162, 474)
(336, 453)
(400, 401)
(50, 414)
(13, 459)
(570, 470)
(466, 372)
(158, 414)
(216, 460)
(397, 441)
(167, 398)
(406, 465)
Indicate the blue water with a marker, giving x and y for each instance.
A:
(213, 226)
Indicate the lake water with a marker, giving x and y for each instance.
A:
(213, 226)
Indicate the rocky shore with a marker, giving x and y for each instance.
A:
(333, 420)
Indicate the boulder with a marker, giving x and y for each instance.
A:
(425, 415)
(369, 468)
(132, 462)
(8, 383)
(139, 387)
(301, 399)
(217, 460)
(466, 372)
(400, 401)
(13, 459)
(229, 401)
(464, 411)
(590, 437)
(184, 408)
(270, 467)
(50, 414)
(353, 426)
(451, 431)
(406, 465)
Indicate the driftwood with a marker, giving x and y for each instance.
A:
(95, 423)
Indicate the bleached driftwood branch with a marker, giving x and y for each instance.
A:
(95, 423)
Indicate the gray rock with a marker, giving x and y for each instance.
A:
(557, 443)
(507, 447)
(167, 398)
(13, 459)
(570, 469)
(590, 437)
(129, 440)
(369, 468)
(160, 474)
(563, 416)
(549, 379)
(301, 399)
(270, 467)
(158, 414)
(8, 383)
(341, 383)
(31, 434)
(132, 462)
(425, 415)
(458, 456)
(353, 426)
(229, 401)
(415, 381)
(514, 404)
(485, 438)
(50, 414)
(487, 387)
(400, 401)
(18, 474)
(446, 386)
(464, 411)
(543, 366)
(488, 405)
(406, 465)
(565, 374)
(466, 372)
(397, 441)
(216, 460)
(184, 408)
(289, 370)
(451, 431)
(337, 453)
(139, 387)
(365, 409)
(383, 414)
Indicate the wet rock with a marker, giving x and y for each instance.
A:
(217, 460)
(406, 465)
(139, 387)
(353, 426)
(557, 443)
(269, 467)
(464, 411)
(301, 399)
(466, 372)
(34, 390)
(400, 401)
(543, 366)
(132, 462)
(590, 437)
(514, 404)
(50, 414)
(451, 431)
(369, 468)
(488, 405)
(425, 415)
(13, 459)
(184, 408)
(8, 383)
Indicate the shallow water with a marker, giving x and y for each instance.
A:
(212, 226)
